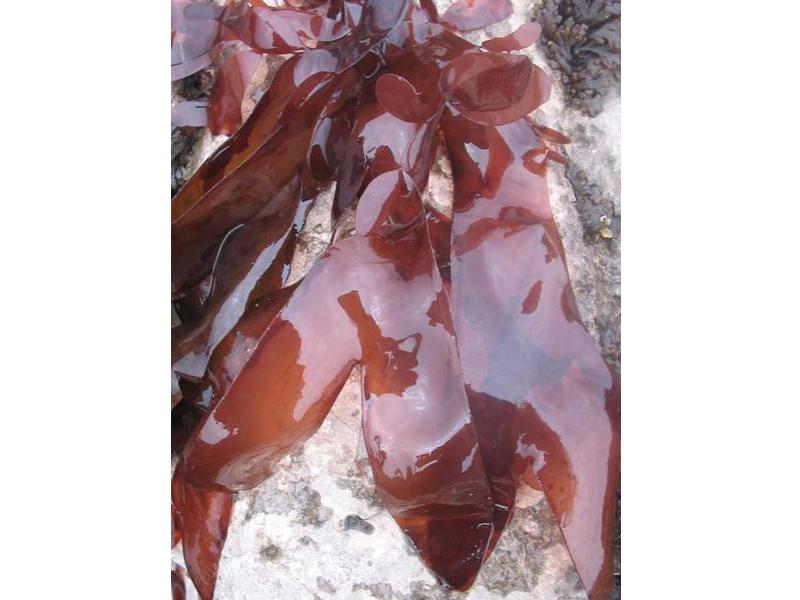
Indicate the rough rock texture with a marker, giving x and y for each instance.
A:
(316, 530)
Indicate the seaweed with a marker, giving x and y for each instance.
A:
(582, 42)
(191, 90)
(477, 372)
(184, 140)
(596, 210)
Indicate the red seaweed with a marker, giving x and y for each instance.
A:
(178, 585)
(495, 88)
(467, 15)
(540, 392)
(200, 523)
(225, 103)
(474, 378)
(523, 37)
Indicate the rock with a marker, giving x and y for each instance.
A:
(356, 523)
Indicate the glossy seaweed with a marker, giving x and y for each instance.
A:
(477, 371)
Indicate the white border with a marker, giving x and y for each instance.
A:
(710, 300)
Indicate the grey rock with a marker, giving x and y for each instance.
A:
(356, 523)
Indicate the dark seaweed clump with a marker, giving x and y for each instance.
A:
(184, 139)
(582, 41)
(616, 551)
(596, 211)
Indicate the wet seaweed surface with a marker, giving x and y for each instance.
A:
(582, 41)
(477, 373)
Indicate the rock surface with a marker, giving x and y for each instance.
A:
(316, 530)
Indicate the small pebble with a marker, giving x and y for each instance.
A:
(357, 523)
(270, 552)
